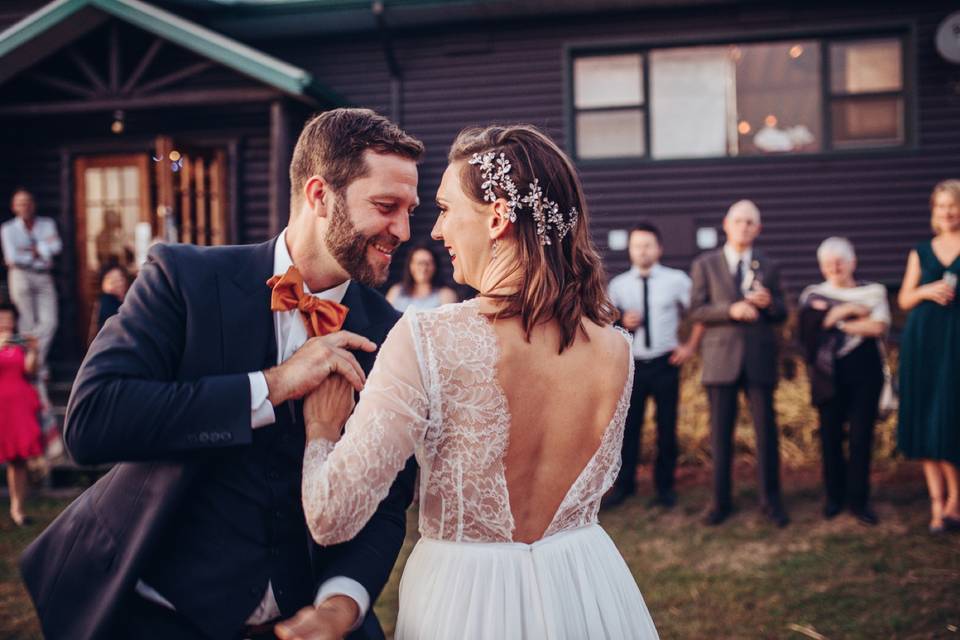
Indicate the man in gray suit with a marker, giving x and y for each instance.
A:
(736, 294)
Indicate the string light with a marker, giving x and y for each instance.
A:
(796, 51)
(770, 120)
(744, 127)
(117, 125)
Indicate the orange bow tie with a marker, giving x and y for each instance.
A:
(320, 316)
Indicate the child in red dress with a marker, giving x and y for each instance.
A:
(20, 436)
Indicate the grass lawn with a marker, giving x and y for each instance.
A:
(745, 579)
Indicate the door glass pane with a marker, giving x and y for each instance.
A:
(868, 66)
(608, 81)
(866, 122)
(94, 182)
(112, 212)
(112, 184)
(610, 134)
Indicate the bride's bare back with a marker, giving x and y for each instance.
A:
(560, 407)
(515, 442)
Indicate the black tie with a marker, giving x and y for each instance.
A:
(646, 312)
(738, 278)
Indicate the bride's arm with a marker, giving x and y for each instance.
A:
(344, 481)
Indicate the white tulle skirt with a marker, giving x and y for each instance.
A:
(573, 584)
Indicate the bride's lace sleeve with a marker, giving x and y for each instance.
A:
(344, 482)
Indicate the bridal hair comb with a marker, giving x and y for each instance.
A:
(495, 171)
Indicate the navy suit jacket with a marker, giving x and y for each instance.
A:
(163, 384)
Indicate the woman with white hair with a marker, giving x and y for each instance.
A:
(842, 322)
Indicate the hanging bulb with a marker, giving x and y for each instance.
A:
(117, 125)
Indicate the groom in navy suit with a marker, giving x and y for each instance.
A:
(194, 391)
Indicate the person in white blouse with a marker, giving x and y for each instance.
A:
(652, 299)
(513, 404)
(30, 243)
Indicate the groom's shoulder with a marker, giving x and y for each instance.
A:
(195, 260)
(376, 304)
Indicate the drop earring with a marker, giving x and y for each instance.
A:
(496, 246)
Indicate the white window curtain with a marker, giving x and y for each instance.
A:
(693, 103)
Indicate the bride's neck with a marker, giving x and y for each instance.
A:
(502, 277)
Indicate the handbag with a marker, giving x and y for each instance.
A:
(889, 399)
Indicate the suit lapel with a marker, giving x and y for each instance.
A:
(724, 276)
(358, 321)
(249, 339)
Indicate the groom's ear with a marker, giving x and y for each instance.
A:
(317, 196)
(499, 223)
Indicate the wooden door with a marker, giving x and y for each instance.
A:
(191, 192)
(112, 208)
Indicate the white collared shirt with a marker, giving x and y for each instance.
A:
(733, 258)
(668, 296)
(18, 242)
(291, 334)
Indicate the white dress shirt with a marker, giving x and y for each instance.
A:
(668, 296)
(733, 258)
(18, 243)
(291, 333)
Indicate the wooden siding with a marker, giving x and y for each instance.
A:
(515, 72)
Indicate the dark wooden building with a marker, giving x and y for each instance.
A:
(174, 119)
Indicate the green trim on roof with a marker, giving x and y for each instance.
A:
(173, 28)
(37, 22)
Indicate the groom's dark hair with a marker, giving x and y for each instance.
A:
(332, 145)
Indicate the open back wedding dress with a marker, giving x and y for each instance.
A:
(433, 392)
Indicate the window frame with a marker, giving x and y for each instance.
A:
(643, 107)
(902, 31)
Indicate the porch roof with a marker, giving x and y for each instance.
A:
(60, 22)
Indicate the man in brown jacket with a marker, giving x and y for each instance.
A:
(736, 294)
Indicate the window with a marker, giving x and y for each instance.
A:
(739, 100)
(609, 98)
(866, 93)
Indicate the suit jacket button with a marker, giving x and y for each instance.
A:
(274, 475)
(275, 551)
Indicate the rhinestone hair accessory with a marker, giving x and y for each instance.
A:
(495, 171)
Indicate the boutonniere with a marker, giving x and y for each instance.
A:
(755, 264)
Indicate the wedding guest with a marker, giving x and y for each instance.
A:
(841, 324)
(736, 294)
(20, 437)
(30, 243)
(929, 427)
(113, 289)
(651, 299)
(421, 287)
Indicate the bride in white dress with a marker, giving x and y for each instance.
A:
(513, 404)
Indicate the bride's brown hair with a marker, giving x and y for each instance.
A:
(563, 281)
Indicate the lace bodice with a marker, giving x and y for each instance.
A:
(433, 393)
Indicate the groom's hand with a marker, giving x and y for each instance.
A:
(330, 620)
(314, 362)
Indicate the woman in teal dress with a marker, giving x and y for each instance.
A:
(929, 427)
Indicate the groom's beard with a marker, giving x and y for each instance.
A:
(350, 248)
